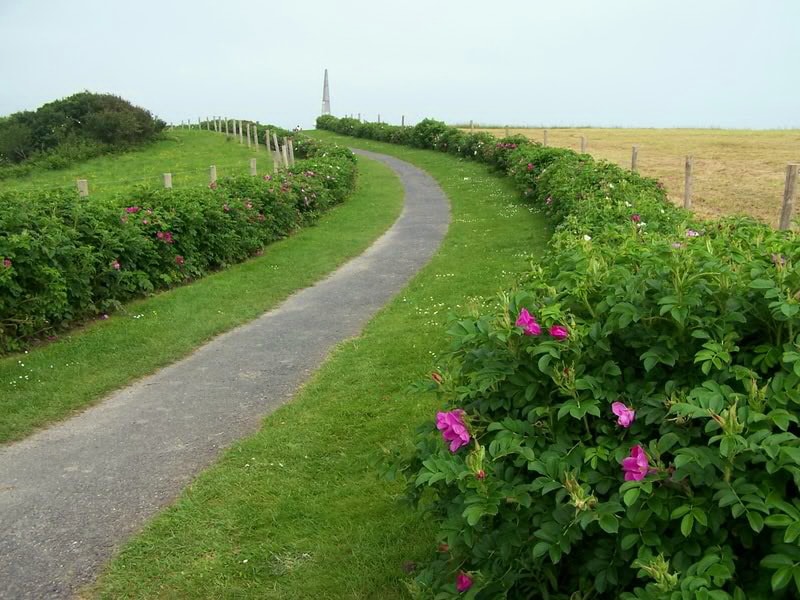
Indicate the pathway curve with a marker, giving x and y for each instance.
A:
(71, 494)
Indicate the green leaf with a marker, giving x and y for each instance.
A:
(540, 549)
(781, 578)
(756, 520)
(631, 496)
(629, 541)
(762, 284)
(792, 532)
(776, 561)
(686, 524)
(609, 523)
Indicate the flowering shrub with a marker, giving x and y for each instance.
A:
(64, 258)
(631, 409)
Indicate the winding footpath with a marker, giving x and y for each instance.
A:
(71, 494)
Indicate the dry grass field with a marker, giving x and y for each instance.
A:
(735, 171)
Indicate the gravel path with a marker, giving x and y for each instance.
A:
(71, 494)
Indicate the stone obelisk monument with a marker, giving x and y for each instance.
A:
(326, 96)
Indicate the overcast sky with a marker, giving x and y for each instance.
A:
(647, 63)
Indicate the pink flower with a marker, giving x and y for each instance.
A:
(132, 209)
(248, 204)
(104, 317)
(636, 218)
(559, 332)
(463, 582)
(549, 201)
(145, 222)
(179, 260)
(692, 233)
(453, 428)
(226, 208)
(530, 166)
(528, 323)
(165, 236)
(115, 265)
(481, 474)
(7, 263)
(636, 466)
(625, 414)
(437, 377)
(267, 177)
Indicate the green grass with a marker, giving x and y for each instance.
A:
(296, 511)
(50, 382)
(187, 154)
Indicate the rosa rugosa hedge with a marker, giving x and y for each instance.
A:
(63, 258)
(630, 410)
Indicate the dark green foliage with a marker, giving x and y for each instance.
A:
(74, 128)
(64, 258)
(695, 326)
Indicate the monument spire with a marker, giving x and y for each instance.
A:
(326, 96)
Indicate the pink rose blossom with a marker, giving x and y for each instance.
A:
(104, 317)
(453, 428)
(179, 260)
(528, 323)
(7, 263)
(549, 201)
(636, 218)
(165, 236)
(145, 222)
(132, 209)
(530, 166)
(559, 332)
(636, 466)
(463, 582)
(692, 233)
(625, 415)
(115, 265)
(480, 475)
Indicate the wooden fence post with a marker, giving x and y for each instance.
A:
(687, 184)
(212, 174)
(276, 161)
(227, 133)
(167, 180)
(545, 137)
(506, 130)
(249, 141)
(255, 137)
(253, 170)
(241, 133)
(291, 151)
(471, 125)
(583, 144)
(266, 141)
(276, 146)
(83, 188)
(788, 196)
(634, 157)
(285, 154)
(379, 118)
(403, 121)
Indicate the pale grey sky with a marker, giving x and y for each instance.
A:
(725, 63)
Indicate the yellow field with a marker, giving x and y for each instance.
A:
(735, 171)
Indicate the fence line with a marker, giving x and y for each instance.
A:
(789, 192)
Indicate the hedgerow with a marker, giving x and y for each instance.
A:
(65, 258)
(624, 423)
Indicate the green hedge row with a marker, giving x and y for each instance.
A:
(64, 258)
(625, 424)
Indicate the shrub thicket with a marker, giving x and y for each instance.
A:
(64, 258)
(624, 424)
(72, 129)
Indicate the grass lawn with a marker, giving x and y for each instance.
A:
(736, 171)
(297, 510)
(50, 382)
(186, 153)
